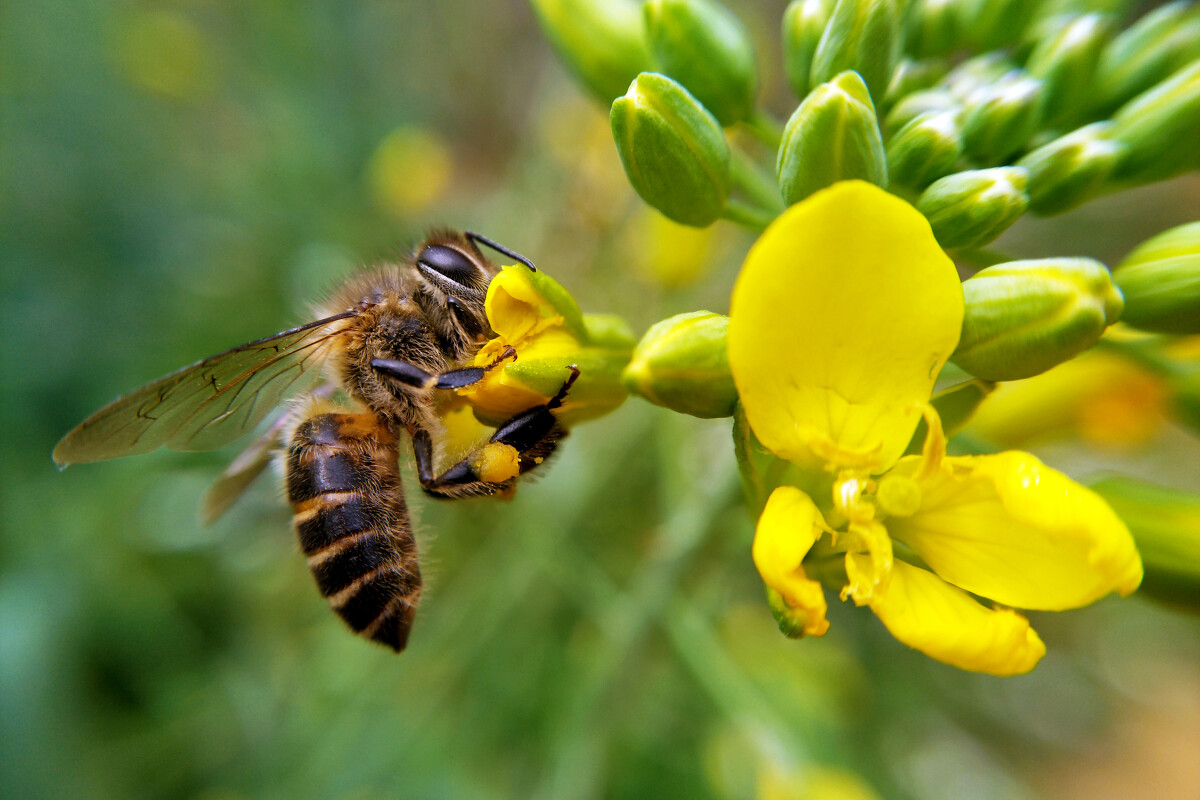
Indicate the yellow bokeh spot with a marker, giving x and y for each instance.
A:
(665, 253)
(162, 52)
(409, 171)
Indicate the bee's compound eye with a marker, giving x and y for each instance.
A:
(449, 263)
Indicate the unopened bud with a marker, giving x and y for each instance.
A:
(704, 47)
(976, 74)
(833, 136)
(1024, 317)
(681, 364)
(1155, 46)
(602, 41)
(673, 150)
(1002, 117)
(1161, 129)
(1065, 62)
(864, 36)
(1165, 524)
(803, 23)
(1071, 169)
(924, 150)
(918, 103)
(1161, 282)
(913, 76)
(931, 28)
(990, 24)
(969, 209)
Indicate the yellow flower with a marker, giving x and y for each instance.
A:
(540, 321)
(844, 313)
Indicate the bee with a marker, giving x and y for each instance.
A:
(394, 342)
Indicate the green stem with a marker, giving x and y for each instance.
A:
(748, 215)
(757, 185)
(765, 128)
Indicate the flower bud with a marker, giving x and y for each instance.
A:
(803, 23)
(704, 47)
(1161, 282)
(1071, 169)
(864, 36)
(681, 364)
(913, 76)
(1001, 118)
(1065, 62)
(924, 150)
(976, 74)
(1151, 49)
(673, 150)
(990, 24)
(918, 103)
(833, 136)
(1165, 524)
(1161, 129)
(602, 41)
(1024, 317)
(969, 209)
(931, 28)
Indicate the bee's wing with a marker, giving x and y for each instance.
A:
(251, 463)
(208, 404)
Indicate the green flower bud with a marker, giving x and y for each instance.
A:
(990, 24)
(1161, 129)
(833, 136)
(931, 28)
(1071, 169)
(681, 364)
(704, 47)
(864, 36)
(1024, 317)
(913, 76)
(803, 23)
(1161, 282)
(1165, 524)
(924, 150)
(1151, 49)
(1066, 62)
(974, 74)
(918, 103)
(1001, 118)
(602, 41)
(969, 209)
(673, 150)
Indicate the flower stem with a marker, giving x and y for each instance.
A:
(751, 216)
(757, 185)
(765, 128)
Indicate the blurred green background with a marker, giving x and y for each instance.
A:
(181, 177)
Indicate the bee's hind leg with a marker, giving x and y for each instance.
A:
(533, 433)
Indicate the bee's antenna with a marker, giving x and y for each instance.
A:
(475, 238)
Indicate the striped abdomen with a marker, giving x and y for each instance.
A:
(343, 483)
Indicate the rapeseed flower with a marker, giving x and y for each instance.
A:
(842, 317)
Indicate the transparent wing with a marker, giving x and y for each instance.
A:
(208, 404)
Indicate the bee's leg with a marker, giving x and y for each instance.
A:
(533, 433)
(414, 376)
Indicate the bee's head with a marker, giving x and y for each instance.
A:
(455, 275)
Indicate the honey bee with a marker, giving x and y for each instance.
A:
(395, 342)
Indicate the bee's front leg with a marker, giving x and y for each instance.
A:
(533, 433)
(412, 375)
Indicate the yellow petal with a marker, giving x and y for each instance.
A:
(1009, 528)
(930, 615)
(843, 314)
(521, 303)
(789, 525)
